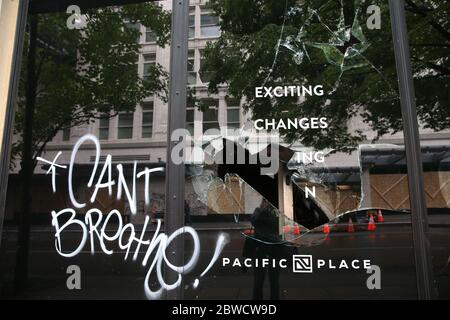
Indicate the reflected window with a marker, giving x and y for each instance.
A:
(209, 25)
(66, 134)
(150, 35)
(103, 132)
(211, 115)
(190, 112)
(135, 28)
(205, 75)
(125, 126)
(147, 119)
(233, 113)
(192, 75)
(149, 64)
(191, 22)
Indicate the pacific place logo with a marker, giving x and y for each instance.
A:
(305, 263)
(302, 263)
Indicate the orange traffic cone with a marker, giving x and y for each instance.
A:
(249, 232)
(380, 217)
(371, 226)
(351, 227)
(326, 228)
(287, 228)
(296, 229)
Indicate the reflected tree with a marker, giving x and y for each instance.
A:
(281, 43)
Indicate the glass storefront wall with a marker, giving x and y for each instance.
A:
(296, 183)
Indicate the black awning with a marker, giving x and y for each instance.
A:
(395, 157)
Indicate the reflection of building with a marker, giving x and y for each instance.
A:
(384, 170)
(142, 136)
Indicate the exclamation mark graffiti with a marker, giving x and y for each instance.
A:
(223, 240)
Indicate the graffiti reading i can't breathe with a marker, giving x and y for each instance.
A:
(96, 223)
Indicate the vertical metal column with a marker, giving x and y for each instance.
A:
(175, 174)
(13, 19)
(424, 268)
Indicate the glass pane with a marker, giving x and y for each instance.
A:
(126, 119)
(104, 123)
(125, 133)
(210, 115)
(233, 103)
(150, 57)
(147, 118)
(147, 106)
(86, 66)
(191, 61)
(147, 132)
(103, 134)
(134, 29)
(428, 35)
(191, 26)
(66, 134)
(191, 32)
(314, 178)
(205, 74)
(150, 36)
(192, 77)
(210, 125)
(210, 31)
(207, 20)
(233, 115)
(190, 128)
(189, 115)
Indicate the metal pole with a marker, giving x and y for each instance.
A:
(13, 19)
(175, 173)
(419, 218)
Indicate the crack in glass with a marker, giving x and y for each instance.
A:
(344, 48)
